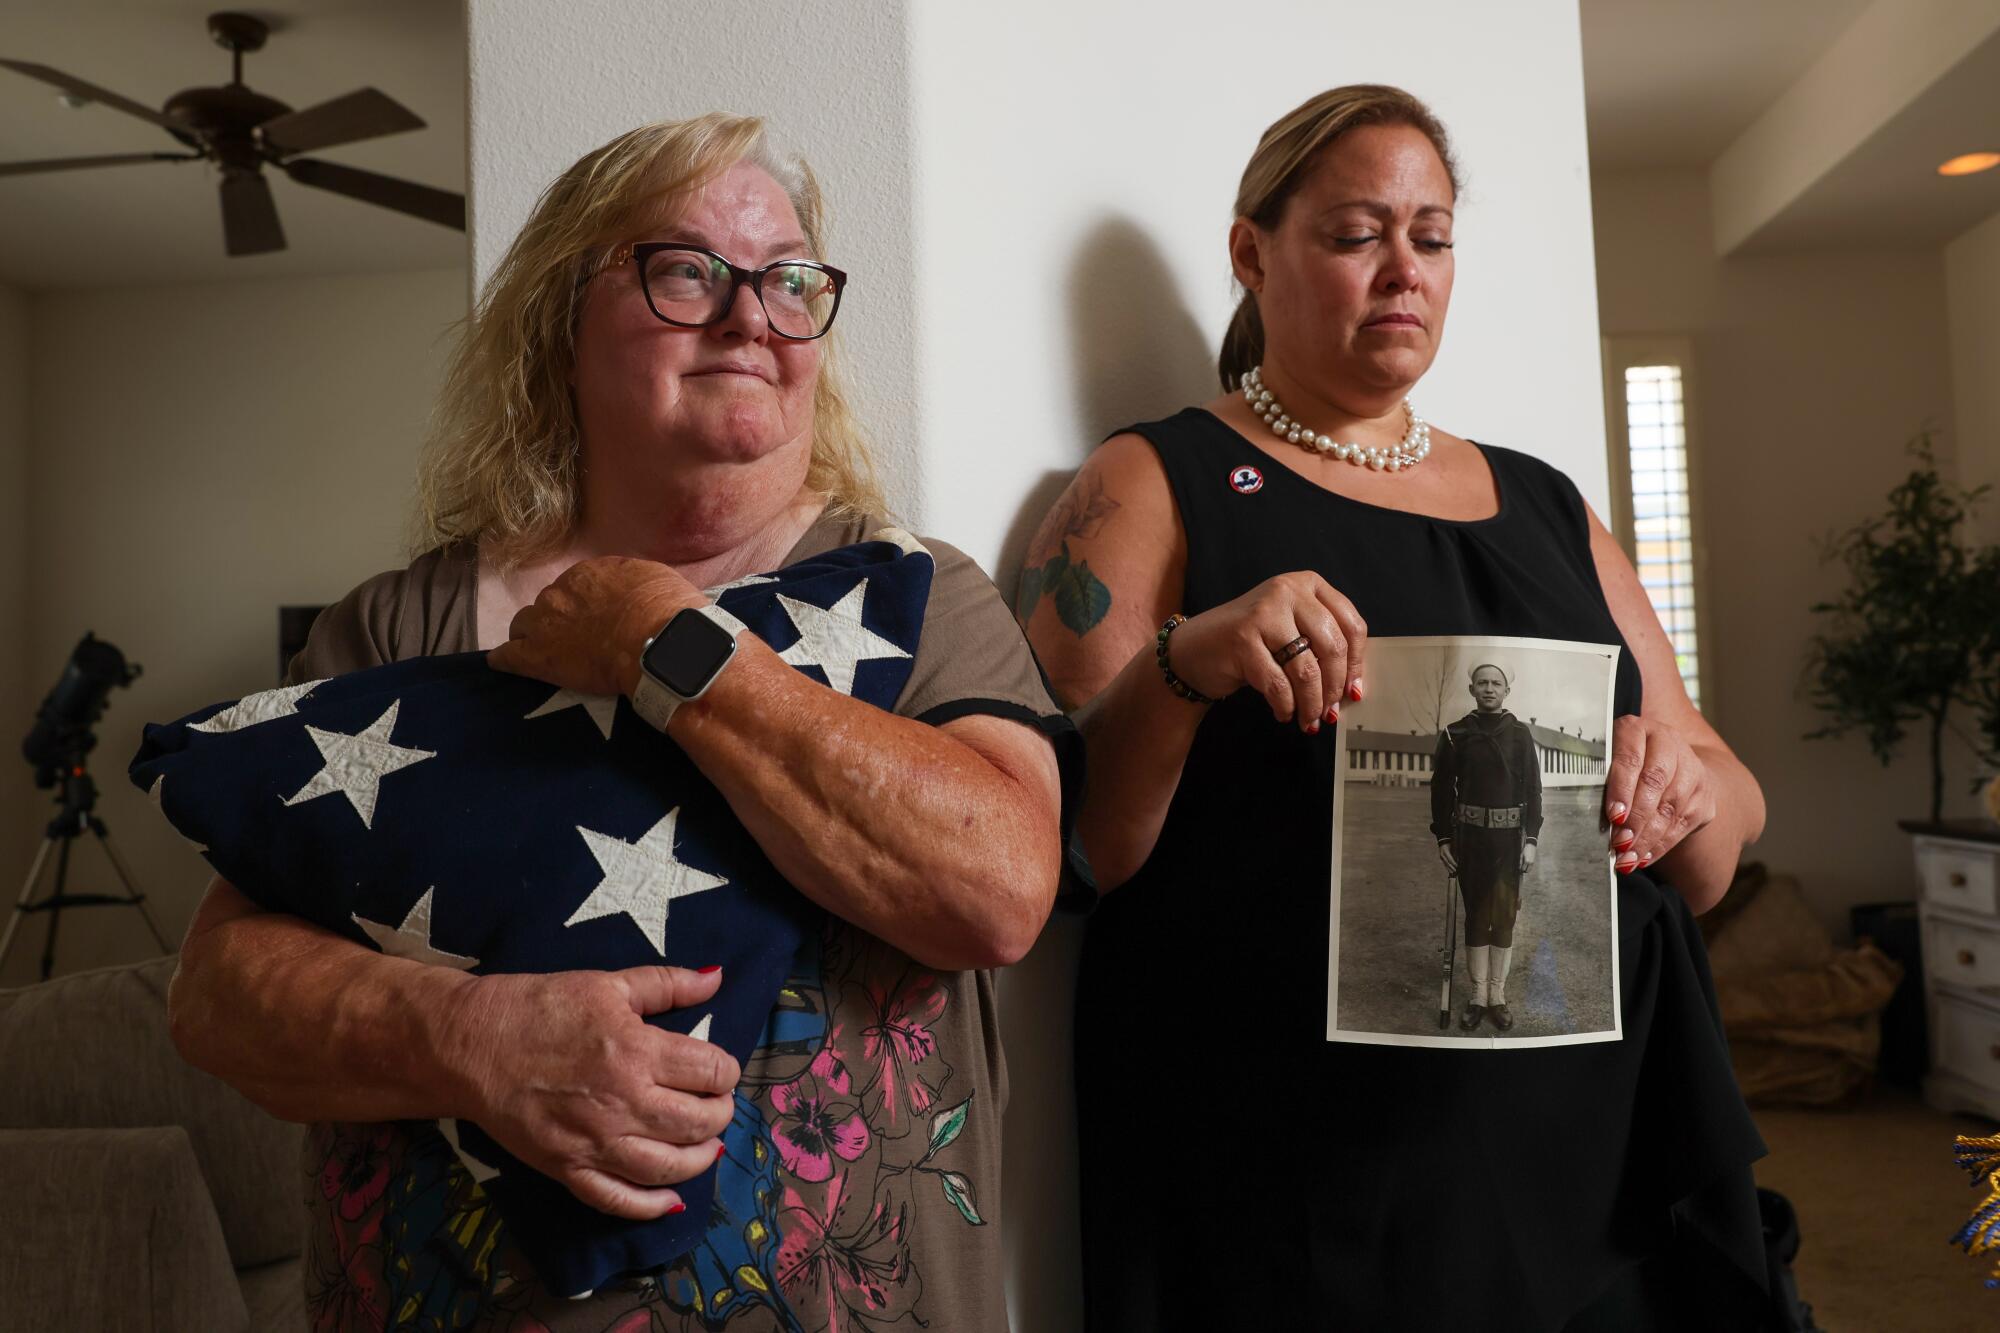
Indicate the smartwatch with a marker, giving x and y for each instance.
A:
(683, 660)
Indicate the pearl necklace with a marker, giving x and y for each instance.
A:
(1415, 446)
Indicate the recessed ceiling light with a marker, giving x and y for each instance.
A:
(1965, 164)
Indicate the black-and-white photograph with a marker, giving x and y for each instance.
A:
(1474, 904)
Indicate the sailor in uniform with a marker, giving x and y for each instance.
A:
(1486, 813)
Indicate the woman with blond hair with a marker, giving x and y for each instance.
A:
(1240, 1171)
(644, 406)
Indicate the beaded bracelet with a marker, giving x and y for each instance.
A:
(1180, 687)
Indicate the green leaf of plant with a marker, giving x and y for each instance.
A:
(946, 1126)
(1913, 634)
(959, 1190)
(1081, 597)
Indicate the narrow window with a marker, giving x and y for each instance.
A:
(1654, 469)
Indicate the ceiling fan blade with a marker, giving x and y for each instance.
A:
(72, 163)
(365, 114)
(419, 201)
(249, 218)
(70, 84)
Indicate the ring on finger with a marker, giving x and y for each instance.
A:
(1291, 650)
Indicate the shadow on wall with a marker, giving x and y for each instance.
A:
(1138, 355)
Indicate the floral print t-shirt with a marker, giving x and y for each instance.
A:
(859, 1185)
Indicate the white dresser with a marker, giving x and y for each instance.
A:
(1958, 871)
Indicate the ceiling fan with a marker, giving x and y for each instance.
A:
(242, 131)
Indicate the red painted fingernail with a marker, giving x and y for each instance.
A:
(1624, 839)
(1647, 858)
(720, 1148)
(1333, 712)
(678, 1207)
(1618, 812)
(1354, 690)
(1312, 727)
(704, 971)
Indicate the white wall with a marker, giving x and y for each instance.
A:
(1972, 289)
(1099, 167)
(16, 700)
(1814, 370)
(201, 455)
(1033, 202)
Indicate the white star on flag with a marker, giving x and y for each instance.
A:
(252, 709)
(356, 765)
(700, 1030)
(601, 707)
(834, 639)
(641, 879)
(412, 939)
(747, 581)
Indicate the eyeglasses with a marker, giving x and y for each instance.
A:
(692, 288)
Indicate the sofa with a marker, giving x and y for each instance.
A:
(136, 1192)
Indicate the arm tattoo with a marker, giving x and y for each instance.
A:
(1081, 598)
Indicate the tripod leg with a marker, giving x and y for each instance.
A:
(125, 878)
(27, 892)
(55, 910)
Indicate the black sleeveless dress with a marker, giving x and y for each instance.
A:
(1239, 1171)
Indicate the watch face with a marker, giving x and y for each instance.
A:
(686, 654)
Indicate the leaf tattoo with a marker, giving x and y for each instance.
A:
(1081, 598)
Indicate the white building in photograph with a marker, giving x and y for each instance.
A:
(1403, 758)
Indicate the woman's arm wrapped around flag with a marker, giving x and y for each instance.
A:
(943, 841)
(560, 1068)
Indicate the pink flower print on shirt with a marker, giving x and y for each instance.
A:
(814, 1121)
(357, 1168)
(899, 1051)
(845, 1281)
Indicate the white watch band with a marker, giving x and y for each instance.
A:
(653, 701)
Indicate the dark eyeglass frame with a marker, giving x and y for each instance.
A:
(739, 278)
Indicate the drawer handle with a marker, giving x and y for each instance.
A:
(1966, 958)
(1957, 880)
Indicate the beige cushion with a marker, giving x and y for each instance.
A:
(92, 1050)
(1853, 983)
(1772, 931)
(111, 1229)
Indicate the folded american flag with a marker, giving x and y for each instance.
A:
(443, 811)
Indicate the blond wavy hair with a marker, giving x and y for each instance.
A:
(1275, 171)
(501, 464)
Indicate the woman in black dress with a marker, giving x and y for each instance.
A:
(1239, 1171)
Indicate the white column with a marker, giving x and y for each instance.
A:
(1033, 204)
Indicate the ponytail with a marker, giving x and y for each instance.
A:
(1242, 345)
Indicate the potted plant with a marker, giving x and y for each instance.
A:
(1914, 641)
